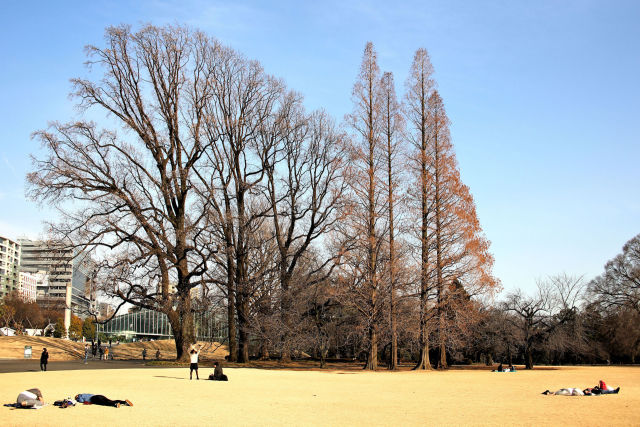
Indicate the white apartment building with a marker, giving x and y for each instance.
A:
(9, 266)
(28, 286)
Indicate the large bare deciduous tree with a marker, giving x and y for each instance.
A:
(127, 193)
(619, 285)
(243, 106)
(304, 186)
(537, 317)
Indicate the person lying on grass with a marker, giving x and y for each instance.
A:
(31, 398)
(98, 399)
(601, 388)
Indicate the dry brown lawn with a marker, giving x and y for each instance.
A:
(60, 349)
(165, 396)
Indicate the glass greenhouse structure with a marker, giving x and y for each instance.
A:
(146, 323)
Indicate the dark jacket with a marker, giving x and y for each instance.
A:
(217, 372)
(44, 357)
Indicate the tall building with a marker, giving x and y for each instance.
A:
(64, 268)
(105, 310)
(9, 266)
(28, 286)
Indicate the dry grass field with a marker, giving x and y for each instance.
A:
(60, 349)
(165, 396)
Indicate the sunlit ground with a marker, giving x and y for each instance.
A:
(166, 396)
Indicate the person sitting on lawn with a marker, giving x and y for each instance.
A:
(98, 399)
(217, 373)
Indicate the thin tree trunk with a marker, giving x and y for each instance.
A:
(442, 362)
(231, 315)
(393, 360)
(285, 306)
(372, 359)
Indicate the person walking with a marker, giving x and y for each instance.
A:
(86, 353)
(158, 354)
(144, 354)
(44, 359)
(193, 354)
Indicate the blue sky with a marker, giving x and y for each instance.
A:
(544, 100)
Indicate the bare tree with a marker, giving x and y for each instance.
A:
(304, 186)
(244, 103)
(539, 316)
(392, 124)
(364, 227)
(620, 284)
(462, 259)
(130, 196)
(419, 87)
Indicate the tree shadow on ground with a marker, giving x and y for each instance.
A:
(165, 376)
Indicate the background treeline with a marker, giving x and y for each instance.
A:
(18, 314)
(213, 188)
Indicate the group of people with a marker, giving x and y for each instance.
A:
(95, 349)
(32, 399)
(144, 354)
(601, 388)
(501, 368)
(194, 354)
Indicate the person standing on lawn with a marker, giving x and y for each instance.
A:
(193, 354)
(44, 359)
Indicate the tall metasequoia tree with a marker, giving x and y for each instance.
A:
(452, 243)
(391, 129)
(364, 228)
(131, 194)
(461, 251)
(419, 86)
